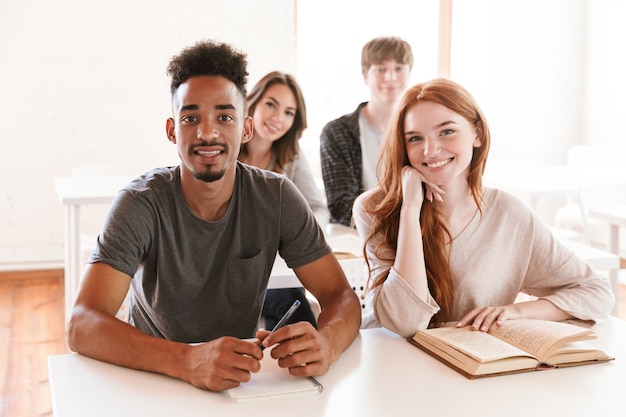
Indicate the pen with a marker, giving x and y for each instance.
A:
(283, 319)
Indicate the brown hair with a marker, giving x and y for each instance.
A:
(286, 148)
(384, 205)
(379, 50)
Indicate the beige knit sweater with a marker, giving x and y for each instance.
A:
(506, 251)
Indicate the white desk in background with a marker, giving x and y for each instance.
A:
(381, 374)
(73, 192)
(533, 183)
(615, 216)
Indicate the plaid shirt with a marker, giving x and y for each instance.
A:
(340, 156)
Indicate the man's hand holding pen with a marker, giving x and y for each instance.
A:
(300, 348)
(226, 362)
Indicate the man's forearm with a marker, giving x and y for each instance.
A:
(340, 321)
(104, 337)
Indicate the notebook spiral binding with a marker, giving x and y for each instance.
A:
(316, 383)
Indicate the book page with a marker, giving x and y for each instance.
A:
(539, 337)
(479, 345)
(576, 352)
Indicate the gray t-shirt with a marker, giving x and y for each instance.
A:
(195, 280)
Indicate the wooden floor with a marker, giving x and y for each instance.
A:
(31, 328)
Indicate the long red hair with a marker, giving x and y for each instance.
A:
(384, 205)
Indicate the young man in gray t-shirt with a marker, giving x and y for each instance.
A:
(196, 243)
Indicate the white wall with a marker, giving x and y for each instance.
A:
(329, 53)
(548, 74)
(605, 89)
(329, 49)
(525, 62)
(84, 82)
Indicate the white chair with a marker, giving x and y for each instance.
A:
(599, 160)
(356, 273)
(347, 247)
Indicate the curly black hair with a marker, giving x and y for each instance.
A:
(210, 58)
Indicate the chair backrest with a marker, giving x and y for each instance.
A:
(356, 273)
(602, 178)
(601, 161)
(348, 248)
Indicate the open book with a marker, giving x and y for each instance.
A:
(274, 383)
(518, 346)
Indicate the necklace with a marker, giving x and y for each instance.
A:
(467, 225)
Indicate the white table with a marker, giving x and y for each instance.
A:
(615, 216)
(381, 374)
(282, 276)
(534, 183)
(73, 192)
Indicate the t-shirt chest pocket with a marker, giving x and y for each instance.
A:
(246, 279)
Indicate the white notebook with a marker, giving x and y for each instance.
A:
(274, 383)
